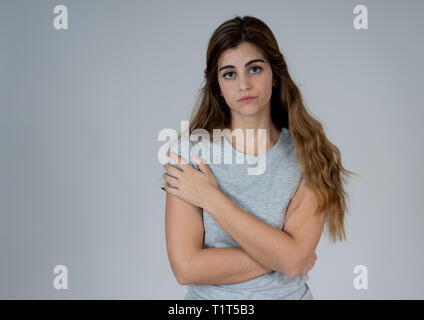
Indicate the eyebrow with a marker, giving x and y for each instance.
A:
(250, 62)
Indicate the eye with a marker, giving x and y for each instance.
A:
(254, 67)
(257, 68)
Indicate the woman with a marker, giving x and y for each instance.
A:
(233, 235)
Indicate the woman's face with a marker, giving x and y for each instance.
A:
(238, 78)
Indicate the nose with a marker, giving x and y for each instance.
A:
(244, 83)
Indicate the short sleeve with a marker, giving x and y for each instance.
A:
(184, 150)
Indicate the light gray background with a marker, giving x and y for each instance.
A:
(81, 110)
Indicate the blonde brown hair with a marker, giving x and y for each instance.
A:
(320, 159)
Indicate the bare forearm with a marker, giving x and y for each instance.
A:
(222, 266)
(273, 248)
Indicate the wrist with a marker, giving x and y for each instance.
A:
(211, 198)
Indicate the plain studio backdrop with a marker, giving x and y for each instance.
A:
(81, 110)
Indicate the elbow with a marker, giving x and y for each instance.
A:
(289, 270)
(294, 269)
(293, 272)
(181, 280)
(185, 269)
(178, 271)
(182, 275)
(297, 268)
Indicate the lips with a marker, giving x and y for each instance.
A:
(247, 98)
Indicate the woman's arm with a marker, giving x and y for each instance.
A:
(221, 266)
(289, 251)
(193, 264)
(190, 262)
(275, 249)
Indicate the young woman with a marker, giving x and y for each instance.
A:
(234, 235)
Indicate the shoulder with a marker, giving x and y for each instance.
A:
(288, 139)
(182, 146)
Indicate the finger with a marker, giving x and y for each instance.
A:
(172, 170)
(171, 190)
(202, 165)
(170, 179)
(177, 158)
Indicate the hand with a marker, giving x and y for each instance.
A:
(310, 264)
(192, 185)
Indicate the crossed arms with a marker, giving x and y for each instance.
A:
(290, 251)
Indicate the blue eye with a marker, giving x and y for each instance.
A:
(224, 75)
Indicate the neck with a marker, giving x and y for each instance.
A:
(256, 139)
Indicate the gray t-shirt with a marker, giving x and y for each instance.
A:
(265, 196)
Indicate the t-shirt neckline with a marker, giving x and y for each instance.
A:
(267, 153)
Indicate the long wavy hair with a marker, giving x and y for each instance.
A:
(320, 159)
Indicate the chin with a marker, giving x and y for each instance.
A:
(249, 110)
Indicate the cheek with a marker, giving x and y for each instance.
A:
(265, 85)
(266, 80)
(226, 89)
